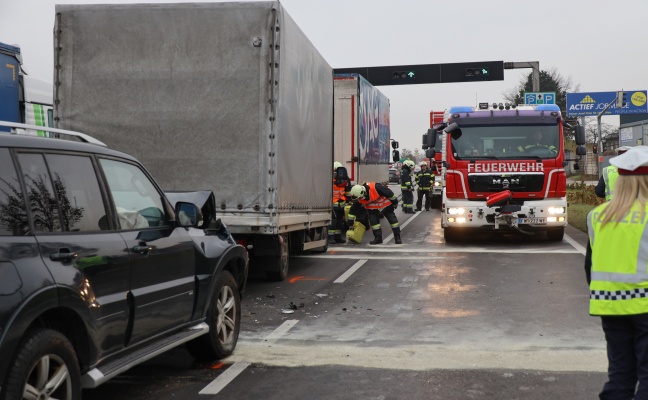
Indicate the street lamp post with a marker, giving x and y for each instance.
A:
(600, 140)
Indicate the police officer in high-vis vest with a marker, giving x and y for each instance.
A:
(605, 187)
(616, 265)
(376, 199)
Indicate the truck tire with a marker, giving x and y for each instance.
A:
(435, 202)
(44, 358)
(556, 235)
(224, 320)
(277, 266)
(450, 234)
(321, 234)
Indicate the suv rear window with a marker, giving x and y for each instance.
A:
(64, 194)
(13, 215)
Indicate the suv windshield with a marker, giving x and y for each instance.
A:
(478, 142)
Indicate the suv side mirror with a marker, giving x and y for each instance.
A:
(188, 215)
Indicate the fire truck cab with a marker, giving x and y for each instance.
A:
(503, 170)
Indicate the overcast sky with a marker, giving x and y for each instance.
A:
(599, 44)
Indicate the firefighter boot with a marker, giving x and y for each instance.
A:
(377, 238)
(397, 238)
(338, 238)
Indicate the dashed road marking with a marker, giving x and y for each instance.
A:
(225, 378)
(235, 370)
(402, 226)
(281, 330)
(350, 271)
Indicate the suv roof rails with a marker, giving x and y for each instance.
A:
(82, 136)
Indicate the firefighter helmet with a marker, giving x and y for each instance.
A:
(358, 191)
(410, 164)
(336, 165)
(423, 163)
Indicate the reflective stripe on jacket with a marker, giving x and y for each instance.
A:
(610, 175)
(406, 180)
(424, 179)
(339, 193)
(619, 284)
(376, 201)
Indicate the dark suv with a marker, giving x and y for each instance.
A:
(99, 271)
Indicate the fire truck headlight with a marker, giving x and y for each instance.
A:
(456, 211)
(556, 210)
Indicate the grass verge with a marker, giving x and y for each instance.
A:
(581, 199)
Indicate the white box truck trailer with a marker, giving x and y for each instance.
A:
(362, 133)
(228, 97)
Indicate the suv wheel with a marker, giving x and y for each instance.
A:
(224, 320)
(45, 366)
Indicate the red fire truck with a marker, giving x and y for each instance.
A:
(435, 162)
(503, 169)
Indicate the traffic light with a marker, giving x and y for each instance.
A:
(403, 75)
(480, 71)
(622, 99)
(595, 149)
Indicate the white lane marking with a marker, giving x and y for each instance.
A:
(281, 330)
(391, 235)
(225, 378)
(350, 271)
(576, 245)
(235, 370)
(427, 251)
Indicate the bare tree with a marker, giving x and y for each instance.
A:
(550, 81)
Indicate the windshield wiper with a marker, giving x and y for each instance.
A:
(537, 158)
(486, 157)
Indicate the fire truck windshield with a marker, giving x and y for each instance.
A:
(515, 141)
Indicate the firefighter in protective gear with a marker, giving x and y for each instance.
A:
(424, 181)
(407, 189)
(605, 187)
(341, 186)
(376, 199)
(616, 264)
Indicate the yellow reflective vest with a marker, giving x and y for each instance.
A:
(619, 284)
(610, 175)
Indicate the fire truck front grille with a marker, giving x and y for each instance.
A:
(514, 183)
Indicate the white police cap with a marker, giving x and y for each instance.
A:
(623, 149)
(632, 162)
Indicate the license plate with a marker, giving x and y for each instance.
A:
(532, 221)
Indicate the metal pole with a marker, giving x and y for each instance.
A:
(586, 164)
(535, 65)
(600, 141)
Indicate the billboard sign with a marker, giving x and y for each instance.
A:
(592, 103)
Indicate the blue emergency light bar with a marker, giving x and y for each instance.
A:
(548, 107)
(461, 109)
